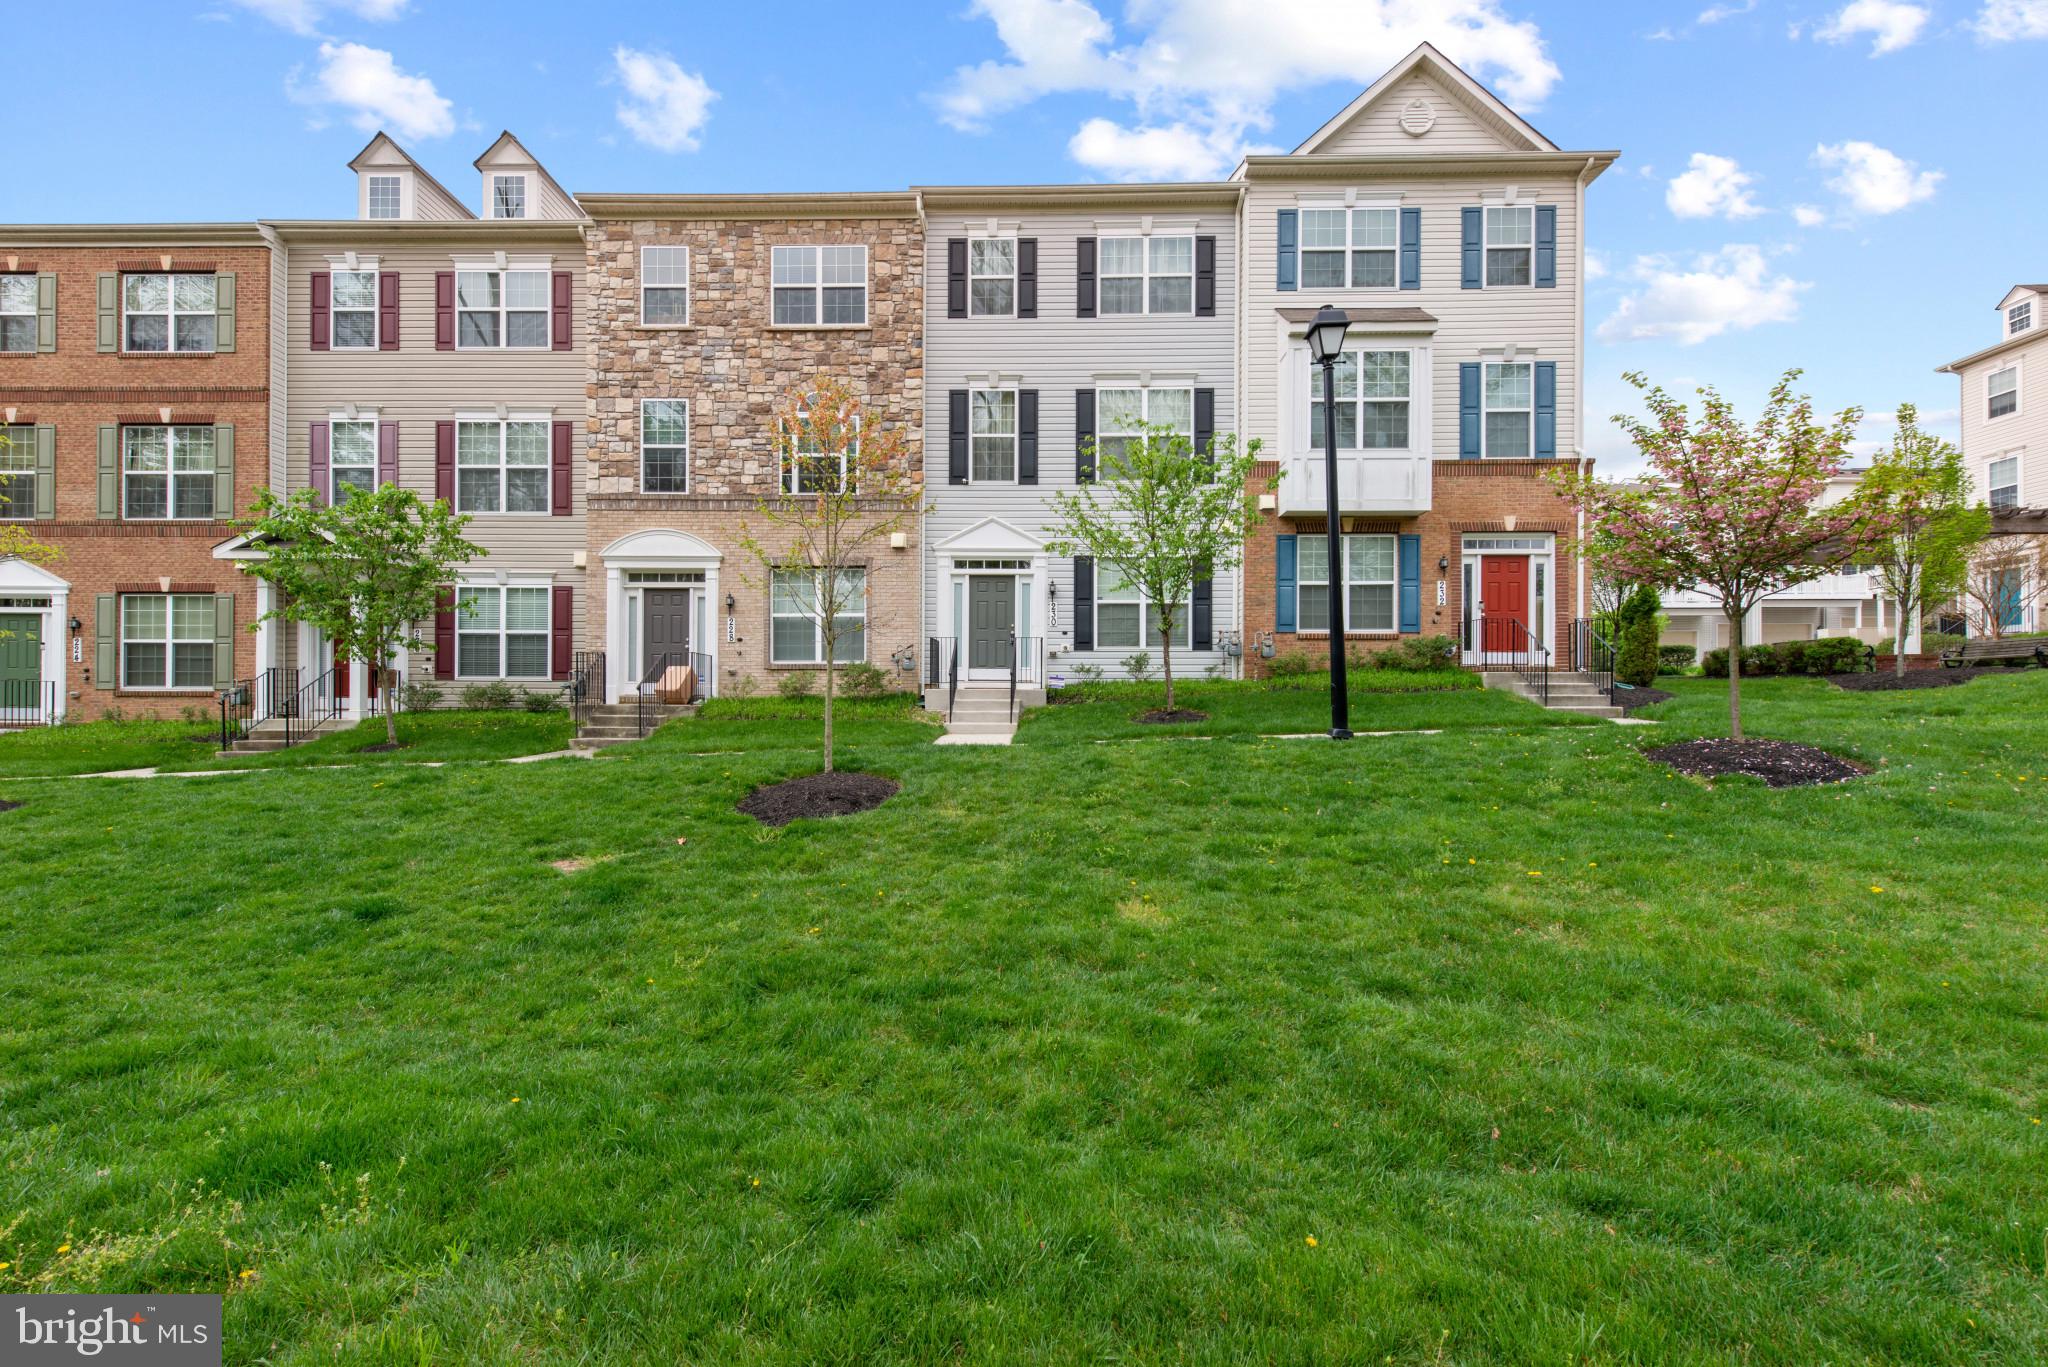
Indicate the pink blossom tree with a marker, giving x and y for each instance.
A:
(1732, 509)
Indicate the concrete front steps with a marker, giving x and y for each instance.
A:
(1569, 692)
(619, 722)
(268, 735)
(981, 713)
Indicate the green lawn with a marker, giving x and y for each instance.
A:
(97, 747)
(773, 722)
(1500, 1045)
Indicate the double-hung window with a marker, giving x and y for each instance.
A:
(820, 286)
(501, 309)
(383, 197)
(664, 286)
(1123, 415)
(508, 196)
(2019, 318)
(501, 633)
(1368, 583)
(665, 446)
(17, 471)
(991, 277)
(167, 312)
(167, 473)
(1375, 391)
(796, 610)
(167, 640)
(351, 457)
(2002, 481)
(17, 312)
(2003, 391)
(811, 468)
(1358, 248)
(992, 436)
(1510, 244)
(1124, 620)
(1146, 275)
(1510, 404)
(501, 467)
(354, 295)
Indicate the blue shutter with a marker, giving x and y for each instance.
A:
(1411, 249)
(1411, 583)
(1546, 410)
(1290, 220)
(1468, 410)
(1546, 246)
(1473, 256)
(1284, 562)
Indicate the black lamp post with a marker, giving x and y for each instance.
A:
(1325, 345)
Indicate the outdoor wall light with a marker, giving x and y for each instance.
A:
(76, 626)
(1443, 562)
(730, 603)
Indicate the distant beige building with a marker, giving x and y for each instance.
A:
(2005, 435)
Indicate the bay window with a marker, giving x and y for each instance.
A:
(1375, 390)
(1124, 620)
(1122, 415)
(1510, 244)
(504, 309)
(167, 640)
(1368, 583)
(796, 607)
(1510, 409)
(1355, 248)
(167, 312)
(1146, 275)
(501, 467)
(167, 473)
(501, 632)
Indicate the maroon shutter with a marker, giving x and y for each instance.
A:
(323, 310)
(564, 493)
(564, 627)
(387, 453)
(316, 460)
(444, 462)
(444, 310)
(387, 311)
(444, 633)
(565, 293)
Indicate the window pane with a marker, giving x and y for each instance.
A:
(665, 266)
(355, 329)
(1122, 255)
(1312, 608)
(526, 657)
(354, 289)
(192, 293)
(144, 618)
(526, 443)
(796, 266)
(1118, 625)
(476, 609)
(1312, 564)
(1122, 296)
(1173, 256)
(143, 665)
(852, 640)
(476, 656)
(795, 640)
(526, 490)
(1322, 270)
(1511, 227)
(1375, 227)
(991, 296)
(1153, 619)
(477, 290)
(843, 265)
(526, 289)
(146, 448)
(1120, 410)
(149, 332)
(1174, 408)
(146, 293)
(147, 496)
(1369, 558)
(665, 422)
(17, 294)
(526, 329)
(526, 609)
(798, 306)
(1347, 369)
(993, 412)
(1175, 294)
(194, 496)
(665, 306)
(995, 458)
(846, 305)
(476, 443)
(1507, 435)
(1508, 386)
(352, 443)
(476, 491)
(1372, 270)
(349, 479)
(1382, 374)
(193, 332)
(665, 470)
(1322, 228)
(991, 256)
(793, 593)
(1372, 607)
(17, 333)
(192, 665)
(1386, 426)
(1507, 267)
(478, 329)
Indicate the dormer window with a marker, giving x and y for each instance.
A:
(383, 197)
(2019, 318)
(508, 196)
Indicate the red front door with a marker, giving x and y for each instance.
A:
(342, 672)
(1504, 594)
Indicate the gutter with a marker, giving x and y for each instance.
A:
(1585, 463)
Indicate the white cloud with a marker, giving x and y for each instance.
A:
(303, 16)
(1712, 187)
(665, 106)
(1892, 24)
(368, 82)
(1733, 289)
(1596, 266)
(2004, 21)
(1808, 215)
(1873, 180)
(1201, 75)
(1714, 14)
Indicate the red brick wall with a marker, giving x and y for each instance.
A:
(77, 388)
(1467, 496)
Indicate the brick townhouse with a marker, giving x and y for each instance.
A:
(135, 385)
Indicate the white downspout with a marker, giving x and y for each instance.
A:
(924, 444)
(1579, 390)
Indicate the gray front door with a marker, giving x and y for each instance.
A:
(991, 617)
(666, 615)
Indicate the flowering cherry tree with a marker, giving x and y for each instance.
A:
(1730, 508)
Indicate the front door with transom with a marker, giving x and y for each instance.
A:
(991, 624)
(665, 618)
(1504, 598)
(21, 662)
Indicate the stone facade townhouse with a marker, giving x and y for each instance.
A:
(135, 396)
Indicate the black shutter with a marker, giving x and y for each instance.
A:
(1027, 277)
(1205, 613)
(1205, 422)
(1205, 277)
(1027, 436)
(1084, 436)
(1084, 603)
(956, 277)
(1084, 277)
(956, 436)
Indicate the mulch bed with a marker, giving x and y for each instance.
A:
(1159, 716)
(8, 806)
(383, 748)
(1779, 763)
(833, 794)
(1885, 681)
(1628, 699)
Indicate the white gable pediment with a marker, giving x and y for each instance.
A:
(22, 576)
(990, 537)
(1425, 105)
(659, 547)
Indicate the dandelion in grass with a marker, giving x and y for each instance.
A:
(63, 1248)
(1310, 1241)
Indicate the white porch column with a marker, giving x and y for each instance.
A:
(266, 626)
(1909, 639)
(1753, 626)
(614, 632)
(1702, 637)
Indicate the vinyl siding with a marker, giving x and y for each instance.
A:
(1056, 354)
(2024, 433)
(1377, 131)
(281, 319)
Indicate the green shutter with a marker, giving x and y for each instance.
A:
(224, 312)
(223, 640)
(105, 617)
(223, 472)
(46, 312)
(110, 472)
(110, 311)
(46, 472)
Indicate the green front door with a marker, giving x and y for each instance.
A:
(991, 618)
(21, 660)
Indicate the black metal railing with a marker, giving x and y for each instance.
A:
(1026, 662)
(586, 684)
(315, 704)
(237, 711)
(28, 702)
(952, 681)
(649, 687)
(937, 649)
(1507, 643)
(1593, 653)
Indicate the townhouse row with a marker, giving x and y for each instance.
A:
(593, 378)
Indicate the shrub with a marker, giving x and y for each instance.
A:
(543, 702)
(1836, 655)
(487, 697)
(796, 683)
(1931, 642)
(1416, 654)
(1635, 654)
(745, 686)
(863, 680)
(1674, 659)
(1788, 657)
(1295, 665)
(1138, 666)
(1756, 662)
(417, 695)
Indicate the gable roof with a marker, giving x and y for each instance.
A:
(1488, 107)
(525, 158)
(2020, 289)
(385, 141)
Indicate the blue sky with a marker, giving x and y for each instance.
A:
(1838, 185)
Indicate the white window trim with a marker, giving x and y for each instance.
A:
(689, 294)
(1010, 275)
(171, 472)
(867, 289)
(491, 179)
(1146, 275)
(1351, 628)
(1016, 433)
(1484, 409)
(172, 313)
(544, 269)
(15, 476)
(1147, 641)
(641, 444)
(546, 420)
(2018, 382)
(1417, 380)
(363, 266)
(2018, 477)
(1486, 239)
(2025, 326)
(405, 195)
(1145, 391)
(1301, 247)
(363, 416)
(29, 313)
(169, 640)
(817, 659)
(547, 634)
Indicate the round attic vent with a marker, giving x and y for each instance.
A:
(1418, 118)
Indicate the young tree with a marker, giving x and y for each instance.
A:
(365, 572)
(1636, 631)
(2004, 572)
(1730, 508)
(1162, 515)
(847, 481)
(1920, 489)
